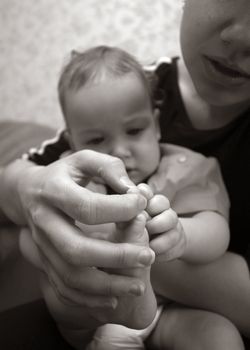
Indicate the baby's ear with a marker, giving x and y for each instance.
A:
(157, 124)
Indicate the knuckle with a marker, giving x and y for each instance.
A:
(109, 287)
(121, 256)
(164, 256)
(87, 210)
(115, 162)
(171, 239)
(175, 237)
(112, 163)
(129, 208)
(63, 298)
(37, 215)
(84, 210)
(174, 217)
(54, 185)
(60, 292)
(69, 280)
(75, 254)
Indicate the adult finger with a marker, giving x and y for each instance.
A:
(72, 317)
(109, 168)
(74, 297)
(133, 231)
(81, 251)
(94, 208)
(78, 284)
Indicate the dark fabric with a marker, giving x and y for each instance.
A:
(30, 327)
(229, 144)
(246, 343)
(51, 151)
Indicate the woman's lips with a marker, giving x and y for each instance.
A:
(224, 72)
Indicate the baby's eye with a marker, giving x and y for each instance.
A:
(134, 131)
(95, 141)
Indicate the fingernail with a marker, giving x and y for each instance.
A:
(146, 257)
(132, 190)
(126, 181)
(142, 202)
(110, 303)
(137, 289)
(114, 303)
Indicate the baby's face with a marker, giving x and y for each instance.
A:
(115, 116)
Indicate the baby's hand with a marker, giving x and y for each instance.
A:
(167, 237)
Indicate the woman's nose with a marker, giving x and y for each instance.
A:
(237, 35)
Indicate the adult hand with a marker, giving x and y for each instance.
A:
(135, 312)
(51, 198)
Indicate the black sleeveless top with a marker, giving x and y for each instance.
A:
(229, 144)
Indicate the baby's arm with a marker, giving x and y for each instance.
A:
(207, 235)
(198, 238)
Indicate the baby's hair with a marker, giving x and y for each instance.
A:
(101, 61)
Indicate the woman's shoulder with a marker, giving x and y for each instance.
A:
(49, 150)
(161, 61)
(161, 67)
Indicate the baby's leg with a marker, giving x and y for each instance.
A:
(222, 286)
(114, 336)
(181, 328)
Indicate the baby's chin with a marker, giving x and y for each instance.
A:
(137, 177)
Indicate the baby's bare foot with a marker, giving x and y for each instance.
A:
(138, 310)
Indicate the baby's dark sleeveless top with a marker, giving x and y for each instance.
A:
(229, 144)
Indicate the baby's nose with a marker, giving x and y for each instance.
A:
(121, 150)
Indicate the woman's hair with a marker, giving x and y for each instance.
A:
(101, 61)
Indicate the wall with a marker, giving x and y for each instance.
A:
(36, 36)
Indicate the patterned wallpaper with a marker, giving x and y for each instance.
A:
(36, 36)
